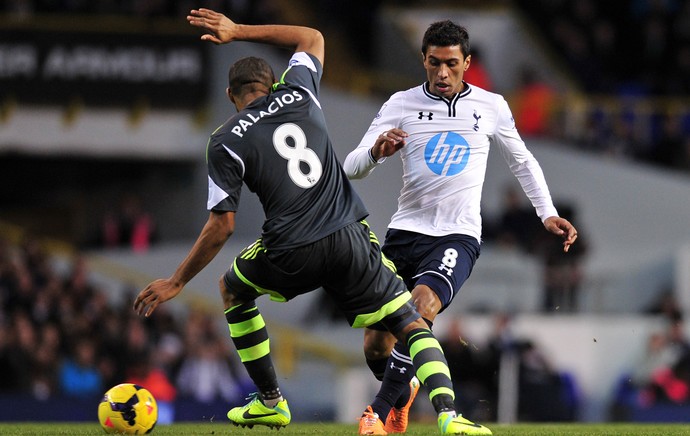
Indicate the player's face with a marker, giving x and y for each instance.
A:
(445, 67)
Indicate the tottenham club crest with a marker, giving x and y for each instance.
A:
(447, 153)
(477, 117)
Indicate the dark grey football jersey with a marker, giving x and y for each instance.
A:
(279, 147)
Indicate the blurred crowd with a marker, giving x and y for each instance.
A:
(620, 46)
(632, 59)
(517, 227)
(544, 392)
(62, 336)
(660, 376)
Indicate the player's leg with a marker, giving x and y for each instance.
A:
(250, 337)
(383, 350)
(398, 381)
(370, 292)
(366, 289)
(395, 371)
(438, 267)
(431, 368)
(378, 343)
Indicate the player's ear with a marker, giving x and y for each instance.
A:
(233, 98)
(467, 62)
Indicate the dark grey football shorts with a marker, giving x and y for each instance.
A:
(348, 265)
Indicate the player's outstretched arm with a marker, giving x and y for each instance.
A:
(213, 236)
(223, 30)
(562, 227)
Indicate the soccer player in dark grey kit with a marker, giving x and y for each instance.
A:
(313, 235)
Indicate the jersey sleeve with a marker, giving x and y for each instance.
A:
(359, 163)
(522, 163)
(225, 175)
(303, 70)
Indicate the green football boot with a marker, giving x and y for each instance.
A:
(256, 413)
(449, 424)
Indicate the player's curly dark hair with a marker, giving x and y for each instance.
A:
(250, 70)
(446, 33)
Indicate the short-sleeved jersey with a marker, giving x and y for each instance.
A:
(279, 147)
(445, 158)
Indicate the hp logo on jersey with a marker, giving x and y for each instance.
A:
(447, 153)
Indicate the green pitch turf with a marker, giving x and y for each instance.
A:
(327, 429)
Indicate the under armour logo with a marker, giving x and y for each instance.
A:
(476, 122)
(402, 370)
(447, 269)
(429, 115)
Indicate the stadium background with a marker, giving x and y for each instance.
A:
(80, 139)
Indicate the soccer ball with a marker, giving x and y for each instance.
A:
(128, 409)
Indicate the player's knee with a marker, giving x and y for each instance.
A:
(377, 346)
(426, 301)
(229, 298)
(416, 324)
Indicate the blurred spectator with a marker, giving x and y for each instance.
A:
(562, 273)
(137, 339)
(676, 334)
(130, 226)
(518, 225)
(18, 344)
(534, 104)
(477, 73)
(209, 371)
(544, 392)
(205, 374)
(683, 162)
(624, 138)
(658, 355)
(79, 375)
(501, 342)
(44, 373)
(142, 372)
(471, 390)
(660, 376)
(170, 348)
(668, 150)
(666, 304)
(519, 228)
(672, 383)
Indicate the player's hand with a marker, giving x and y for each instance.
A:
(562, 227)
(388, 142)
(222, 29)
(157, 292)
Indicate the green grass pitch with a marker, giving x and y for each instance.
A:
(326, 429)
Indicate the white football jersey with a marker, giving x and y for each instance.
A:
(445, 158)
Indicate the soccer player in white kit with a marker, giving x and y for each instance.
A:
(443, 130)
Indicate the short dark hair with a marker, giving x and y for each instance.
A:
(249, 70)
(444, 34)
